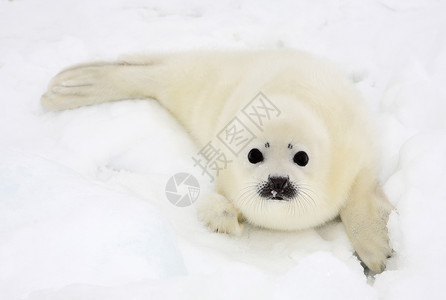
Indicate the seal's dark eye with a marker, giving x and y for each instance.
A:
(255, 156)
(301, 158)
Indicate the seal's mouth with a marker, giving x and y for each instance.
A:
(277, 188)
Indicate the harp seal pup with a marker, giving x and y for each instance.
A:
(314, 161)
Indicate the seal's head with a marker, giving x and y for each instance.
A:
(278, 187)
(282, 179)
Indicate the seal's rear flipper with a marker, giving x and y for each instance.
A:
(95, 83)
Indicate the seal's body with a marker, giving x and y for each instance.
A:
(304, 153)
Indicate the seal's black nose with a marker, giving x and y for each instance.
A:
(278, 183)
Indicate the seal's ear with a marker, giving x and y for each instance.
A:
(365, 217)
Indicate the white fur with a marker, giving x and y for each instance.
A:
(321, 114)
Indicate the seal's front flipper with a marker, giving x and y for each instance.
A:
(365, 217)
(219, 215)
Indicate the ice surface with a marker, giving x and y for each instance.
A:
(83, 213)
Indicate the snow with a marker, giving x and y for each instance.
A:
(83, 214)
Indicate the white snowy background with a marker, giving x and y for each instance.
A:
(83, 214)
